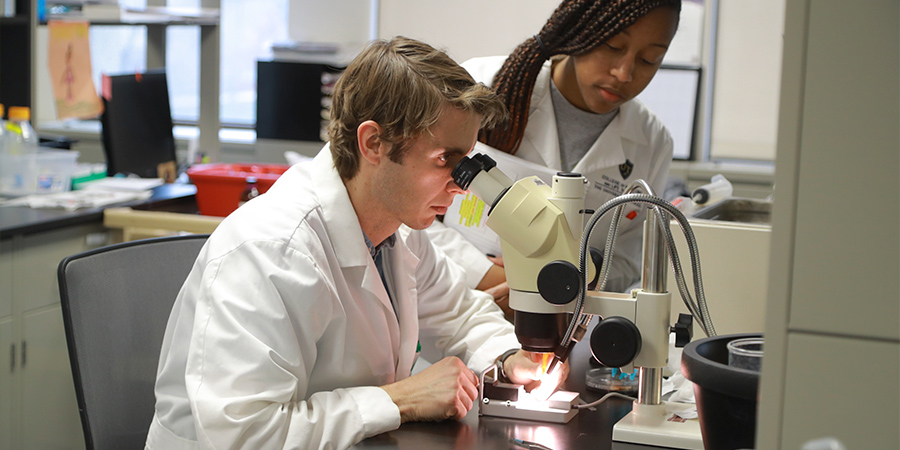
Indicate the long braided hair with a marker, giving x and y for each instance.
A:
(576, 27)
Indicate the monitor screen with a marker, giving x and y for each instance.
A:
(673, 95)
(137, 125)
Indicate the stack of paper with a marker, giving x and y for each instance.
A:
(123, 184)
(72, 200)
(93, 194)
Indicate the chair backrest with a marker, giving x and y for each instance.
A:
(116, 301)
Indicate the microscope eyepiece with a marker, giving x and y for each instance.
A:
(467, 168)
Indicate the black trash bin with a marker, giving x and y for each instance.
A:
(726, 396)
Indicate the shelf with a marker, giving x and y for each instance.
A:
(20, 19)
(138, 21)
(147, 16)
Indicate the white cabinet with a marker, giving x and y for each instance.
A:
(6, 375)
(832, 352)
(7, 345)
(38, 407)
(823, 396)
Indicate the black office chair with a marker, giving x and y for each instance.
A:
(116, 301)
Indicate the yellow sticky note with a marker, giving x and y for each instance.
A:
(470, 211)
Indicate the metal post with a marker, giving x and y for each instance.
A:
(655, 256)
(650, 387)
(653, 279)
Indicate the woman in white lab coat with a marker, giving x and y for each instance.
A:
(570, 90)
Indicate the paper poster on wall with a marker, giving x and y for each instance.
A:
(69, 61)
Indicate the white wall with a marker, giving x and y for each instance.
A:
(342, 21)
(747, 77)
(470, 28)
(465, 28)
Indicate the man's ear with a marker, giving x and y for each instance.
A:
(371, 146)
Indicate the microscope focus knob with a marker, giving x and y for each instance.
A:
(683, 329)
(558, 282)
(615, 341)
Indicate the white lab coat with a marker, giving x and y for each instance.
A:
(635, 135)
(283, 329)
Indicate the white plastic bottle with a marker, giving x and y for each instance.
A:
(719, 188)
(21, 137)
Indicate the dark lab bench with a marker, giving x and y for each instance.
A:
(589, 429)
(22, 220)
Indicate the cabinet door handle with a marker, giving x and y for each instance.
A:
(12, 358)
(23, 354)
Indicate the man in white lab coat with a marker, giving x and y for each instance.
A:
(300, 321)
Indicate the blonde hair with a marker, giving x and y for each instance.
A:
(402, 85)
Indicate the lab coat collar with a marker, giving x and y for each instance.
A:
(541, 136)
(341, 220)
(608, 150)
(400, 273)
(632, 128)
(348, 240)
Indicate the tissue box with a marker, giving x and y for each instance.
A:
(219, 186)
(43, 172)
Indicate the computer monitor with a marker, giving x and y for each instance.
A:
(137, 125)
(673, 96)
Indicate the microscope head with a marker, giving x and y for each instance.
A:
(539, 227)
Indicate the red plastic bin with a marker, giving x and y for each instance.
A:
(219, 185)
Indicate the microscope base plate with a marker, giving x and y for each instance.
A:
(557, 409)
(661, 430)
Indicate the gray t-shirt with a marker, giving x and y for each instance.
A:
(577, 129)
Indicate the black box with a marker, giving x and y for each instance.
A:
(292, 99)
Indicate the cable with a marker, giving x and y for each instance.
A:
(701, 312)
(597, 402)
(608, 251)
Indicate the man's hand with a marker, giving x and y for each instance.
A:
(526, 368)
(445, 390)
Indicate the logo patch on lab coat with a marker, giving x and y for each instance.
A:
(626, 168)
